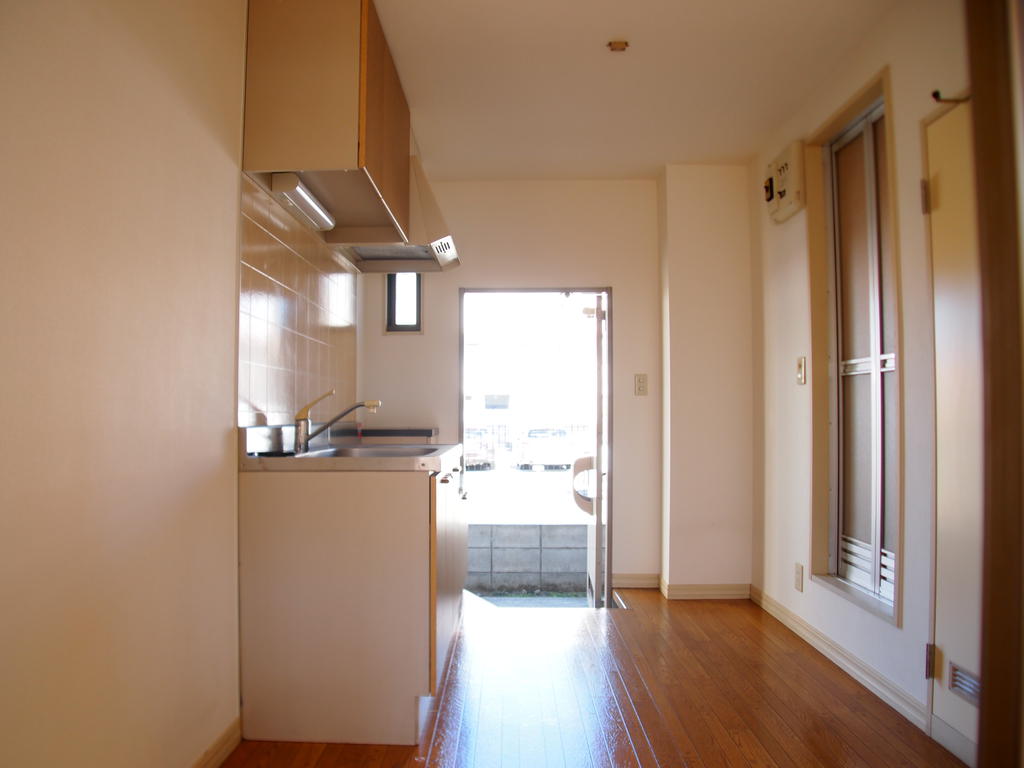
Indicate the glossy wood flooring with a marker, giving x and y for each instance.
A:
(712, 684)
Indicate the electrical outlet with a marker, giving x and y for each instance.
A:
(798, 578)
(640, 384)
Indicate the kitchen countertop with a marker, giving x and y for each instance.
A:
(269, 449)
(430, 458)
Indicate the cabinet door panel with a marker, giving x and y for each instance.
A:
(332, 605)
(384, 120)
(448, 570)
(302, 85)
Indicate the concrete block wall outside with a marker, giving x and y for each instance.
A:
(480, 536)
(479, 559)
(515, 536)
(527, 557)
(574, 536)
(518, 560)
(563, 560)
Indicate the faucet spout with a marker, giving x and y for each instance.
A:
(304, 410)
(302, 425)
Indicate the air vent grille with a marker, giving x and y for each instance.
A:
(444, 249)
(963, 683)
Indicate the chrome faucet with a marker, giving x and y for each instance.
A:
(303, 422)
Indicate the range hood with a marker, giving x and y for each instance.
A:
(429, 248)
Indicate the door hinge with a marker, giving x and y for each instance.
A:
(926, 197)
(929, 661)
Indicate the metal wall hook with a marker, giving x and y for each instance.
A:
(937, 96)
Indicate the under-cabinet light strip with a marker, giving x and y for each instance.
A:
(289, 186)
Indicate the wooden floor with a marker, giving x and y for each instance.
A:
(681, 683)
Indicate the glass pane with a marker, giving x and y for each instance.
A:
(885, 250)
(406, 298)
(890, 463)
(856, 495)
(852, 246)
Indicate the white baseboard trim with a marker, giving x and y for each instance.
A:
(954, 741)
(225, 744)
(635, 580)
(870, 678)
(704, 591)
(425, 708)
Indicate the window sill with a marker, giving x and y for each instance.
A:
(859, 597)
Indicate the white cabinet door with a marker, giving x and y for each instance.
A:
(334, 605)
(958, 425)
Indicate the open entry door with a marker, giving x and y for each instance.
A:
(590, 472)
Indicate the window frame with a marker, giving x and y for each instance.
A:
(881, 594)
(390, 326)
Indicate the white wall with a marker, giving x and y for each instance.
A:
(119, 210)
(566, 234)
(706, 326)
(922, 41)
(666, 375)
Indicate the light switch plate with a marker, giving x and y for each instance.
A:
(640, 384)
(798, 578)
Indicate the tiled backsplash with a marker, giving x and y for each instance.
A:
(297, 315)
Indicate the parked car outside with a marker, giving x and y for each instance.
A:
(478, 449)
(548, 448)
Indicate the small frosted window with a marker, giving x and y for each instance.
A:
(403, 302)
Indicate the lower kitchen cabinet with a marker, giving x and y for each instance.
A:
(449, 563)
(350, 594)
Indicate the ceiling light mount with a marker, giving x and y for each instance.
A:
(618, 46)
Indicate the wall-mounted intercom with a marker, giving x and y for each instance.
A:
(784, 185)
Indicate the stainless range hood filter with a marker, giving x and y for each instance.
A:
(405, 257)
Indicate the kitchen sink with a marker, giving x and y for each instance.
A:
(375, 451)
(376, 457)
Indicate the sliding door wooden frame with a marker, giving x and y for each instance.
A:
(991, 73)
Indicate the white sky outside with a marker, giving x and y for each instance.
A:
(537, 348)
(405, 298)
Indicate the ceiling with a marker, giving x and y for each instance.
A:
(515, 89)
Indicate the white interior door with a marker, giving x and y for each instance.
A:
(958, 431)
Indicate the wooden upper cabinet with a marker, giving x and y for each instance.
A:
(384, 116)
(323, 98)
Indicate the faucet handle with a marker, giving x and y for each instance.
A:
(371, 405)
(304, 410)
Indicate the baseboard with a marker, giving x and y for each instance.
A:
(954, 741)
(220, 749)
(635, 580)
(870, 678)
(705, 591)
(425, 709)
